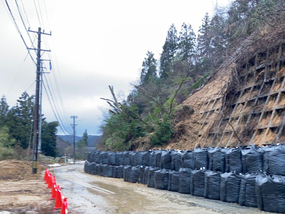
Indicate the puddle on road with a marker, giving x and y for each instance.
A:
(126, 200)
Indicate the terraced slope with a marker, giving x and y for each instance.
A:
(243, 103)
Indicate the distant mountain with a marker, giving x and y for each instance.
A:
(92, 139)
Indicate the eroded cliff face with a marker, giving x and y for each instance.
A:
(244, 101)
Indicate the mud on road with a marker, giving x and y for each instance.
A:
(94, 194)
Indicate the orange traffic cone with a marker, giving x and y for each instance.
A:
(58, 200)
(49, 181)
(53, 192)
(45, 177)
(64, 207)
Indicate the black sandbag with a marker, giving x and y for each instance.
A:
(200, 158)
(118, 172)
(230, 184)
(104, 156)
(252, 159)
(141, 174)
(173, 181)
(108, 170)
(166, 159)
(98, 169)
(188, 159)
(233, 159)
(89, 157)
(127, 160)
(145, 175)
(138, 158)
(92, 169)
(96, 156)
(184, 180)
(134, 174)
(274, 160)
(217, 159)
(212, 185)
(270, 193)
(155, 158)
(120, 158)
(150, 180)
(111, 158)
(133, 158)
(197, 182)
(145, 158)
(101, 170)
(127, 173)
(158, 158)
(176, 160)
(161, 179)
(152, 158)
(87, 166)
(247, 196)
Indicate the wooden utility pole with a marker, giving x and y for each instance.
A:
(73, 125)
(37, 109)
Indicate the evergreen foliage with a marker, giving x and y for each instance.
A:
(16, 127)
(81, 152)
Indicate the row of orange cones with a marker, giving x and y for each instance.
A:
(60, 201)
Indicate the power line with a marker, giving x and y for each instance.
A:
(60, 125)
(24, 23)
(54, 107)
(19, 31)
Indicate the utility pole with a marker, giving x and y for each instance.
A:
(37, 108)
(73, 125)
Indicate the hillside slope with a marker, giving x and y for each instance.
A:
(244, 101)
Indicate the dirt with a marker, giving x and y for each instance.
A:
(22, 192)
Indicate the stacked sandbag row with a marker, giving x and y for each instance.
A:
(235, 175)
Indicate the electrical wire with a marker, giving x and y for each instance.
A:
(40, 24)
(18, 29)
(53, 105)
(32, 43)
(62, 127)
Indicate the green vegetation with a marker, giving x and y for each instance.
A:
(16, 130)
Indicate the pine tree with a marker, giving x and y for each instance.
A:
(19, 120)
(204, 38)
(186, 44)
(4, 108)
(218, 39)
(169, 49)
(49, 138)
(148, 72)
(85, 138)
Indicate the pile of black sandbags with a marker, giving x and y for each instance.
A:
(251, 176)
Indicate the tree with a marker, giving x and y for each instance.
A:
(148, 72)
(186, 44)
(218, 38)
(168, 52)
(204, 38)
(19, 120)
(49, 138)
(4, 109)
(81, 146)
(85, 138)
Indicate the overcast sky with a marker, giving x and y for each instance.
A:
(93, 44)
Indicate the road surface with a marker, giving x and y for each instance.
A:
(91, 194)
